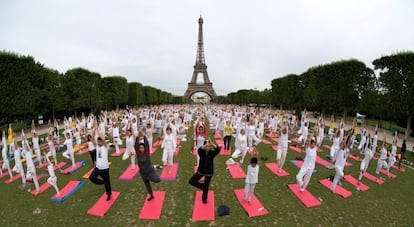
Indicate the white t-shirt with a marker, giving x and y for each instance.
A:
(283, 139)
(310, 158)
(35, 141)
(383, 154)
(341, 158)
(102, 158)
(252, 175)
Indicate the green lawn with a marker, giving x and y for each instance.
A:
(382, 205)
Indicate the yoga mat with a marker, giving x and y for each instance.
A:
(354, 182)
(153, 150)
(322, 162)
(157, 143)
(265, 141)
(297, 149)
(176, 151)
(11, 180)
(67, 191)
(327, 147)
(275, 147)
(348, 164)
(299, 164)
(102, 206)
(338, 189)
(152, 209)
(169, 176)
(355, 157)
(59, 165)
(391, 175)
(121, 152)
(275, 139)
(372, 178)
(44, 164)
(42, 188)
(396, 167)
(5, 173)
(201, 211)
(236, 171)
(178, 142)
(72, 169)
(253, 209)
(220, 142)
(306, 197)
(195, 152)
(274, 168)
(296, 141)
(225, 152)
(270, 135)
(31, 180)
(217, 136)
(129, 174)
(83, 151)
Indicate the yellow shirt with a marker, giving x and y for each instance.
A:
(10, 136)
(228, 130)
(331, 125)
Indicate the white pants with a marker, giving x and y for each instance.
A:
(31, 174)
(381, 164)
(38, 155)
(129, 153)
(115, 141)
(338, 176)
(303, 178)
(6, 165)
(69, 155)
(167, 157)
(330, 133)
(303, 138)
(53, 154)
(239, 152)
(150, 141)
(333, 152)
(248, 191)
(391, 161)
(281, 156)
(251, 138)
(260, 133)
(53, 181)
(19, 169)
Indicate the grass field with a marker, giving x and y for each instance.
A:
(389, 204)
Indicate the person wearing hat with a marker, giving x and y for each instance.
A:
(205, 168)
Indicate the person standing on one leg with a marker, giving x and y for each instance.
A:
(282, 146)
(340, 161)
(382, 160)
(6, 163)
(227, 134)
(130, 150)
(52, 180)
(168, 144)
(368, 154)
(306, 171)
(69, 153)
(205, 169)
(31, 169)
(392, 156)
(36, 147)
(102, 167)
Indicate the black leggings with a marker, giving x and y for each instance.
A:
(194, 181)
(93, 155)
(104, 173)
(152, 177)
(227, 140)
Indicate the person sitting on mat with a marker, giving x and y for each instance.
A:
(146, 169)
(251, 179)
(205, 169)
(102, 167)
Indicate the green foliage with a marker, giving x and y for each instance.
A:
(114, 91)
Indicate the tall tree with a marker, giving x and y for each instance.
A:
(115, 91)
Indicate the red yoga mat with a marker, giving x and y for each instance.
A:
(327, 147)
(355, 157)
(11, 180)
(44, 164)
(217, 136)
(169, 176)
(87, 174)
(274, 168)
(83, 151)
(176, 151)
(275, 139)
(372, 178)
(4, 174)
(297, 149)
(102, 206)
(354, 182)
(59, 165)
(401, 169)
(225, 152)
(153, 150)
(195, 152)
(201, 211)
(265, 141)
(391, 175)
(297, 163)
(42, 188)
(152, 209)
(236, 171)
(322, 162)
(31, 180)
(253, 209)
(157, 143)
(220, 142)
(275, 147)
(121, 152)
(178, 142)
(296, 141)
(338, 189)
(305, 197)
(72, 169)
(67, 191)
(129, 174)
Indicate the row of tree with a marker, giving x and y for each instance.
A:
(342, 87)
(28, 88)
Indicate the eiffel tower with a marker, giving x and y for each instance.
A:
(200, 68)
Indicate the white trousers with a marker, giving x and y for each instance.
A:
(248, 191)
(303, 177)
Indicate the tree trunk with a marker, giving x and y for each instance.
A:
(408, 130)
(344, 115)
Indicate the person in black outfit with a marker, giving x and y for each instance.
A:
(207, 153)
(402, 156)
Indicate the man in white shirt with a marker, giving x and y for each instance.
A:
(102, 167)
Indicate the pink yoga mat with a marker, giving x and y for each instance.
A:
(152, 209)
(121, 152)
(236, 171)
(42, 188)
(5, 173)
(178, 142)
(176, 151)
(297, 163)
(129, 174)
(275, 139)
(59, 165)
(396, 167)
(201, 211)
(102, 206)
(296, 141)
(297, 149)
(11, 180)
(327, 147)
(157, 143)
(87, 174)
(220, 142)
(225, 152)
(83, 151)
(153, 150)
(72, 169)
(322, 162)
(265, 141)
(372, 178)
(195, 152)
(44, 164)
(270, 135)
(355, 157)
(274, 168)
(169, 176)
(253, 209)
(31, 180)
(306, 197)
(195, 170)
(354, 182)
(217, 136)
(67, 190)
(338, 189)
(275, 147)
(383, 171)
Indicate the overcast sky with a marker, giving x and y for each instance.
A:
(247, 43)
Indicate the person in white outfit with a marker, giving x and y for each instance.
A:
(52, 150)
(368, 155)
(251, 135)
(241, 148)
(130, 150)
(6, 163)
(18, 162)
(382, 160)
(116, 140)
(36, 148)
(335, 146)
(393, 154)
(252, 177)
(52, 180)
(148, 134)
(303, 137)
(305, 172)
(282, 146)
(341, 161)
(69, 154)
(168, 144)
(31, 169)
